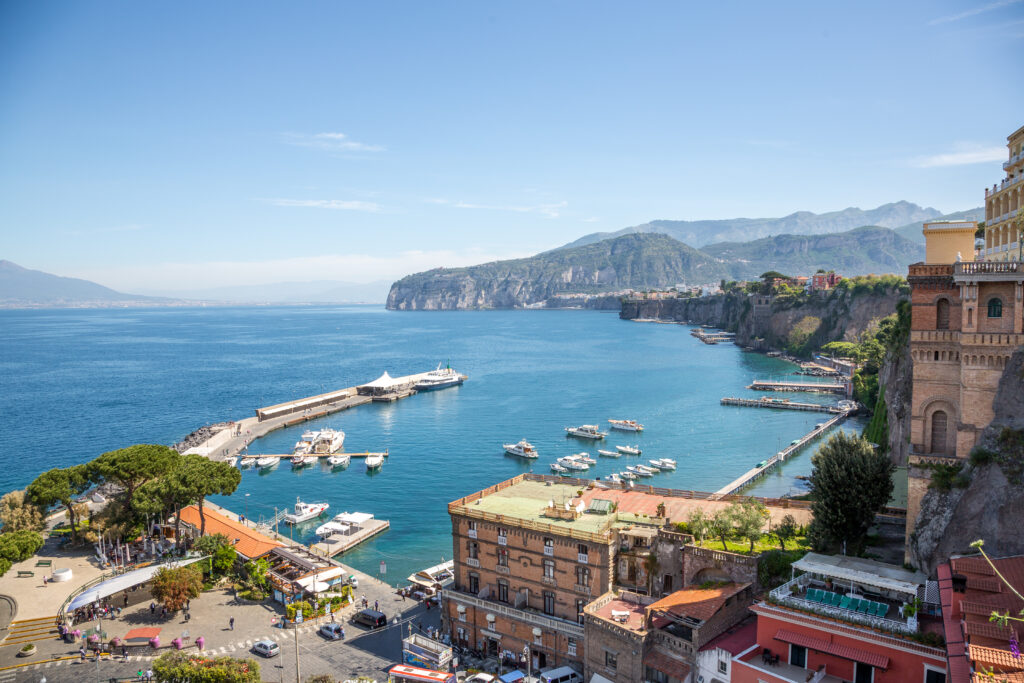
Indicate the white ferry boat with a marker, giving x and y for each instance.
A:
(327, 441)
(629, 450)
(524, 449)
(267, 462)
(303, 512)
(338, 460)
(374, 461)
(586, 432)
(626, 425)
(608, 454)
(440, 378)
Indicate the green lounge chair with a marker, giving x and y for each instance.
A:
(864, 606)
(881, 610)
(836, 599)
(845, 603)
(812, 595)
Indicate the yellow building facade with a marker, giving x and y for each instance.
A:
(949, 241)
(1004, 202)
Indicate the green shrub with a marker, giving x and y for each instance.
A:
(20, 545)
(982, 456)
(945, 477)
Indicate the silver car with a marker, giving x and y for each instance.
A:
(267, 648)
(332, 631)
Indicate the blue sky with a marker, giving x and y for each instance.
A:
(153, 146)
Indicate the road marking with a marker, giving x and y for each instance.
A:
(240, 644)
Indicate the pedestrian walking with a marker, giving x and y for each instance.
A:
(152, 608)
(231, 623)
(124, 652)
(149, 674)
(343, 633)
(376, 605)
(81, 653)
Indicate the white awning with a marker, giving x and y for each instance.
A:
(320, 579)
(862, 571)
(385, 381)
(356, 518)
(122, 583)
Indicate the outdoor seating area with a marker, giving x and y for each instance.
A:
(825, 597)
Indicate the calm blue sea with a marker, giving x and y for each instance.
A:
(76, 383)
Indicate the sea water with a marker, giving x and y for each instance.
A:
(76, 383)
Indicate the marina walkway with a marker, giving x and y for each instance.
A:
(780, 404)
(773, 385)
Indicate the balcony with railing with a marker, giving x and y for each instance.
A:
(806, 593)
(581, 558)
(520, 612)
(999, 268)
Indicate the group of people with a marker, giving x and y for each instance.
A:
(104, 610)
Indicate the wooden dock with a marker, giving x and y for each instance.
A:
(773, 385)
(771, 463)
(339, 543)
(780, 404)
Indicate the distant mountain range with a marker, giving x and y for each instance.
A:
(912, 231)
(24, 288)
(699, 233)
(649, 260)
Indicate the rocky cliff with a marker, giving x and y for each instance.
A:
(789, 323)
(986, 499)
(896, 378)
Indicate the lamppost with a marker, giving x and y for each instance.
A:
(526, 654)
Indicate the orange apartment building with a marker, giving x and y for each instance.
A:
(845, 619)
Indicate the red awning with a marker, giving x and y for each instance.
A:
(144, 634)
(835, 649)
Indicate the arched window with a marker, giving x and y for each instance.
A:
(939, 420)
(942, 314)
(995, 308)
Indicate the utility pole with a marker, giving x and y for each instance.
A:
(298, 620)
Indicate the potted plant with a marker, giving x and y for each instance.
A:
(176, 643)
(200, 642)
(27, 649)
(154, 642)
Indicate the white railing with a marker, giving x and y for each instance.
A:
(784, 596)
(471, 533)
(549, 550)
(554, 623)
(472, 562)
(581, 558)
(502, 540)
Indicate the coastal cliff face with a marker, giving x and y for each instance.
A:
(991, 504)
(896, 376)
(766, 322)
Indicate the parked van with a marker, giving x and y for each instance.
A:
(370, 618)
(563, 674)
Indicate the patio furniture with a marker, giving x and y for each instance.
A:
(846, 602)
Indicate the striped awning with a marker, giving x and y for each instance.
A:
(835, 649)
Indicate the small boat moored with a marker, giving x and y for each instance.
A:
(555, 467)
(664, 463)
(608, 454)
(267, 462)
(248, 461)
(629, 450)
(374, 461)
(626, 425)
(338, 460)
(303, 512)
(585, 457)
(524, 449)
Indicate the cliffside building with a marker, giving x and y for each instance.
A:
(1003, 201)
(967, 320)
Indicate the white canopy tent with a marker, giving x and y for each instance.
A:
(385, 381)
(122, 583)
(355, 518)
(862, 571)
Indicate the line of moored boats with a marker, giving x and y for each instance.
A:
(309, 449)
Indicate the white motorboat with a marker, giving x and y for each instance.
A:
(571, 462)
(652, 467)
(665, 463)
(608, 454)
(555, 467)
(586, 432)
(374, 461)
(299, 461)
(626, 425)
(439, 379)
(327, 441)
(267, 462)
(585, 457)
(627, 475)
(303, 512)
(639, 471)
(524, 449)
(629, 450)
(338, 460)
(647, 468)
(231, 461)
(248, 461)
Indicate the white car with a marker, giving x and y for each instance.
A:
(481, 678)
(267, 648)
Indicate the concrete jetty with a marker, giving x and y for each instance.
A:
(771, 463)
(773, 385)
(339, 543)
(780, 404)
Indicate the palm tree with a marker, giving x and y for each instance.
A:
(651, 566)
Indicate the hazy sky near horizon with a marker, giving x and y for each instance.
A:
(154, 146)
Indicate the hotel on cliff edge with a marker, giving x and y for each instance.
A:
(593, 579)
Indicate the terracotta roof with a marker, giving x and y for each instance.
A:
(246, 541)
(659, 661)
(736, 640)
(1002, 678)
(992, 657)
(835, 649)
(633, 613)
(698, 603)
(145, 633)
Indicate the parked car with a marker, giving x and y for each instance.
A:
(481, 678)
(370, 618)
(267, 648)
(332, 631)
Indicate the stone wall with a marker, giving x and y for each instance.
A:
(706, 564)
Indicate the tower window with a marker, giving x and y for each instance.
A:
(942, 315)
(995, 308)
